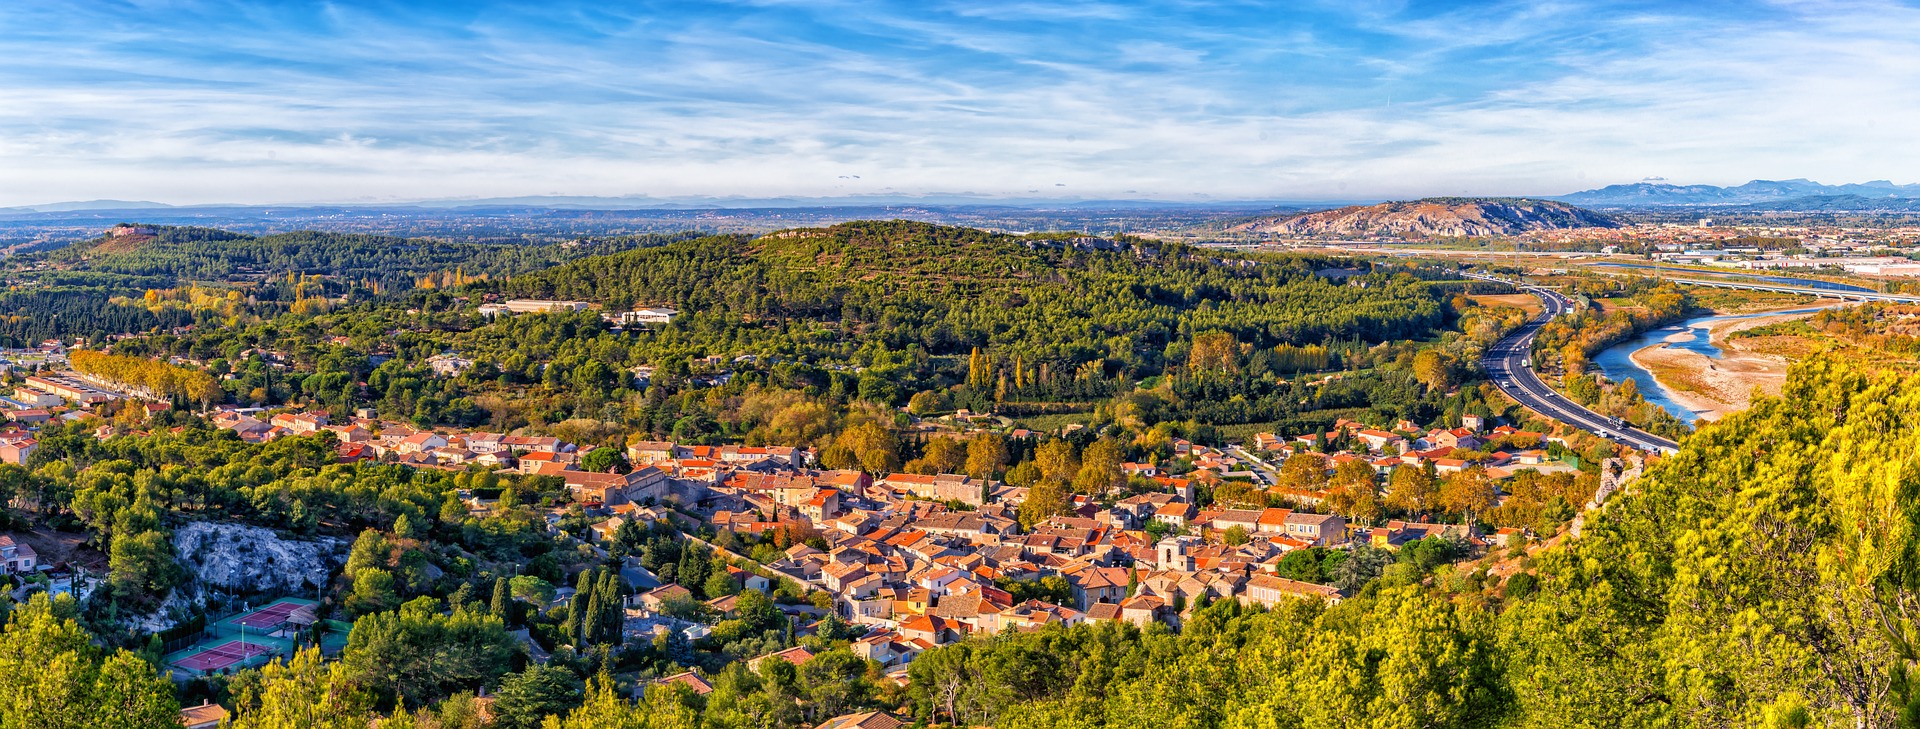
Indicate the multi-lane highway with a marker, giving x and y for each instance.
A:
(1509, 362)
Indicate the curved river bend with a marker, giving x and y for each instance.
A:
(1618, 365)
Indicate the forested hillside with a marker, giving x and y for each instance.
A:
(950, 289)
(136, 279)
(207, 254)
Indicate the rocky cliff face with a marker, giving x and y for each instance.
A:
(1435, 217)
(237, 558)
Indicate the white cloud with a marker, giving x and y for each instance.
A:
(786, 99)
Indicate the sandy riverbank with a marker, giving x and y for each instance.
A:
(1715, 387)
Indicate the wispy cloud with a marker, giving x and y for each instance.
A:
(202, 101)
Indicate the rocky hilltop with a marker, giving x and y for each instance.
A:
(1447, 216)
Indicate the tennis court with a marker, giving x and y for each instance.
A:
(267, 619)
(214, 658)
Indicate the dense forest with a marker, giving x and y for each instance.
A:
(898, 284)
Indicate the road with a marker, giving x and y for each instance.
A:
(1802, 290)
(1507, 363)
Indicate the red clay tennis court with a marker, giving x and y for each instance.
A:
(269, 617)
(221, 656)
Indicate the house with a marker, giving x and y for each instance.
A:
(602, 531)
(653, 599)
(1269, 590)
(649, 451)
(1145, 610)
(300, 423)
(1379, 440)
(1274, 520)
(207, 715)
(17, 557)
(748, 580)
(613, 488)
(1455, 438)
(939, 487)
(420, 442)
(796, 655)
(823, 505)
(353, 452)
(350, 433)
(932, 629)
(1322, 530)
(1173, 514)
(1247, 519)
(887, 648)
(1106, 611)
(689, 679)
(534, 444)
(1095, 585)
(17, 451)
(863, 720)
(1035, 614)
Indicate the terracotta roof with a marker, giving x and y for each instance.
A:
(699, 685)
(864, 720)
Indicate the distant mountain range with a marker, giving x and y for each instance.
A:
(1757, 192)
(1441, 216)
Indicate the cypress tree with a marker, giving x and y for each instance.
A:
(582, 591)
(611, 610)
(589, 619)
(500, 597)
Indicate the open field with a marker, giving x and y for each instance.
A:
(1525, 302)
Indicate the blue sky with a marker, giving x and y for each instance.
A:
(184, 101)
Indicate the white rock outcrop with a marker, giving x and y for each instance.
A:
(237, 558)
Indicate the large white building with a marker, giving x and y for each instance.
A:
(659, 315)
(533, 306)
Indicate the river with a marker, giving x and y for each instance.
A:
(1618, 365)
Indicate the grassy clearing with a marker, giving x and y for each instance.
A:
(1525, 302)
(1245, 431)
(1053, 422)
(1734, 301)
